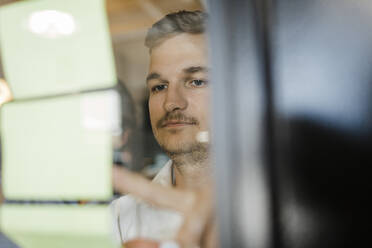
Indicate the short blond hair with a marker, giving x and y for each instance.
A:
(193, 22)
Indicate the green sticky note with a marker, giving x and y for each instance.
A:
(51, 47)
(59, 148)
(58, 226)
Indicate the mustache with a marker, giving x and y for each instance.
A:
(176, 116)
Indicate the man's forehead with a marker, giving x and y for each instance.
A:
(180, 45)
(178, 62)
(180, 54)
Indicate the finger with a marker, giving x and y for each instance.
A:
(126, 181)
(196, 220)
(210, 237)
(192, 229)
(141, 243)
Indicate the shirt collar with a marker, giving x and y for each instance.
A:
(164, 176)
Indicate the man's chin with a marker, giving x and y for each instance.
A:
(179, 149)
(184, 148)
(177, 143)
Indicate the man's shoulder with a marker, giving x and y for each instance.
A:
(130, 213)
(123, 202)
(124, 214)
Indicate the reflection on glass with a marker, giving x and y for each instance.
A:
(5, 94)
(51, 23)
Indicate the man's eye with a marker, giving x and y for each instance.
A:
(158, 88)
(198, 83)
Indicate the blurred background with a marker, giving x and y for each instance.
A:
(293, 123)
(129, 21)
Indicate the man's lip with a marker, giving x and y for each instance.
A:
(176, 124)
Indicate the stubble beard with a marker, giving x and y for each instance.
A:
(190, 152)
(196, 153)
(182, 151)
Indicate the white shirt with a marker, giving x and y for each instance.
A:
(134, 218)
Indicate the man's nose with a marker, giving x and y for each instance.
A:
(175, 100)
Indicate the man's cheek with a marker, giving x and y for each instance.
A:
(153, 118)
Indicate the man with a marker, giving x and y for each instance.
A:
(179, 98)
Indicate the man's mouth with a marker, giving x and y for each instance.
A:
(176, 119)
(176, 124)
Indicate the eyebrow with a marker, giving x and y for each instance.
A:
(188, 70)
(152, 76)
(195, 69)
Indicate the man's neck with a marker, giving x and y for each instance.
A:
(191, 170)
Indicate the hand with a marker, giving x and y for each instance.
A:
(140, 243)
(199, 227)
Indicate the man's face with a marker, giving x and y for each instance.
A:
(179, 92)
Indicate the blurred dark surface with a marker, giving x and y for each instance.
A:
(324, 186)
(293, 134)
(322, 61)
